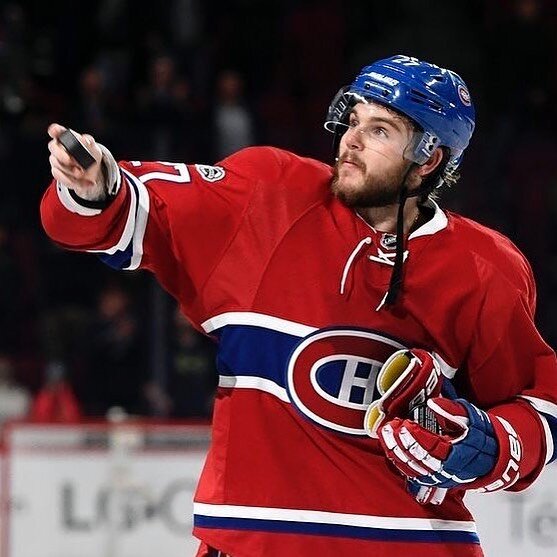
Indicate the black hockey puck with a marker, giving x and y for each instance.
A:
(76, 149)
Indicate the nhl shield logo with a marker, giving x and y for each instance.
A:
(210, 173)
(332, 374)
(388, 241)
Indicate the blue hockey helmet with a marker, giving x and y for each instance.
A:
(435, 99)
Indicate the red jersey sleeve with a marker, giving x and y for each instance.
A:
(513, 372)
(159, 202)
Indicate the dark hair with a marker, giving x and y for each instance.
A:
(441, 177)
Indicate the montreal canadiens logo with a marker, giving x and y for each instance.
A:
(332, 375)
(464, 95)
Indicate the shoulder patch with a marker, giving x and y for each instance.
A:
(210, 173)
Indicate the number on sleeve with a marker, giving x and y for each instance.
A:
(180, 176)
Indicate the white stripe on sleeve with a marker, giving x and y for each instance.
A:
(71, 204)
(542, 405)
(549, 408)
(141, 221)
(129, 228)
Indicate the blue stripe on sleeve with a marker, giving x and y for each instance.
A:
(552, 423)
(119, 260)
(122, 258)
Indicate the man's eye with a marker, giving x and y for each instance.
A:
(379, 131)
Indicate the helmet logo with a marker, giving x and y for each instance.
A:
(464, 95)
(384, 79)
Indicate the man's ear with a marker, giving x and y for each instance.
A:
(419, 173)
(431, 164)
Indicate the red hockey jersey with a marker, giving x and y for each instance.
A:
(290, 281)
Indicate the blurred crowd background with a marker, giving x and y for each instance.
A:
(192, 81)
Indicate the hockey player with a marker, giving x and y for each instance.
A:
(312, 277)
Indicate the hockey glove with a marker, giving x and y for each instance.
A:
(405, 381)
(477, 450)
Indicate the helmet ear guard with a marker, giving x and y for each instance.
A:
(444, 174)
(424, 145)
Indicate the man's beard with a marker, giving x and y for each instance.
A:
(372, 191)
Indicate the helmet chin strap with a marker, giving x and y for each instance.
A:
(395, 284)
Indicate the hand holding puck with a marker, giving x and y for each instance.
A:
(75, 160)
(76, 149)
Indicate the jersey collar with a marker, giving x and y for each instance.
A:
(438, 222)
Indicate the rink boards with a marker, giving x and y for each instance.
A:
(126, 491)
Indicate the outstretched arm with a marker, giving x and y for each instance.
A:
(172, 218)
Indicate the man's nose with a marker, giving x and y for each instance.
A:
(354, 138)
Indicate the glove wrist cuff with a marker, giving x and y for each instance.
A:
(507, 468)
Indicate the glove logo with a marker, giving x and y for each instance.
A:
(331, 376)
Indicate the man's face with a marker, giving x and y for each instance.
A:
(371, 167)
